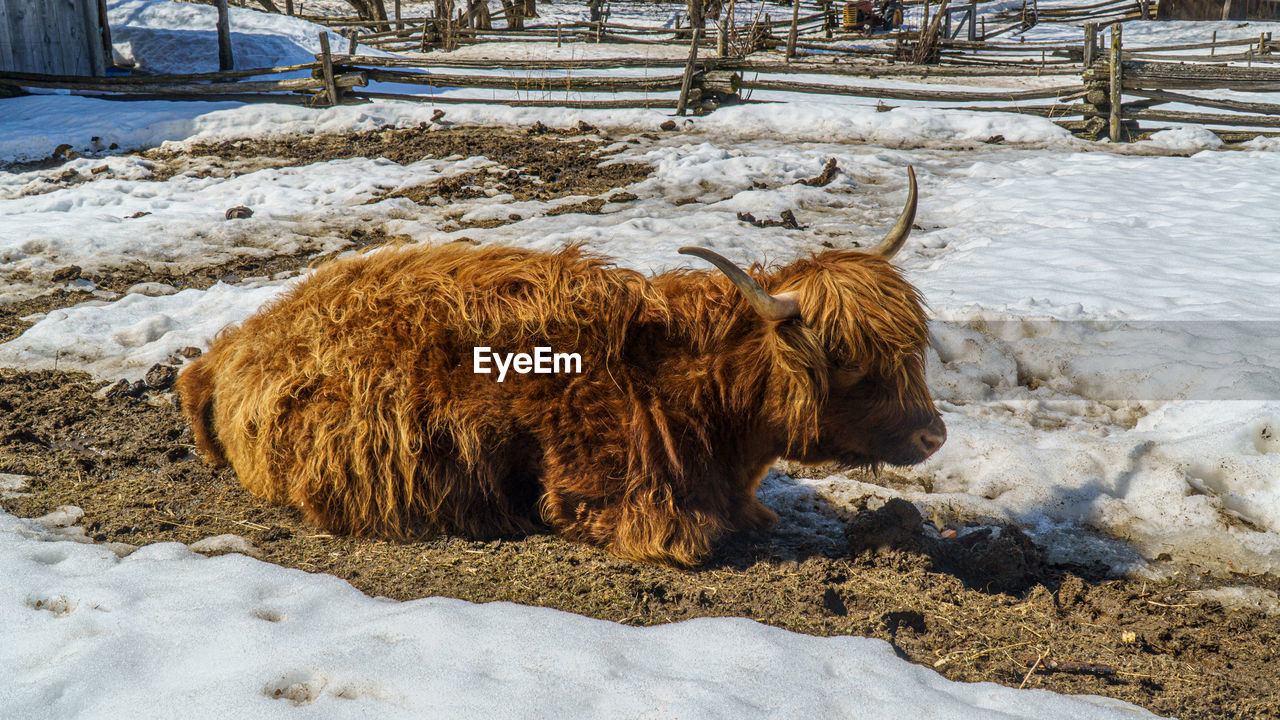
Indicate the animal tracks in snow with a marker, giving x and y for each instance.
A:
(303, 687)
(59, 605)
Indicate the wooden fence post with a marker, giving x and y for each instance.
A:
(351, 46)
(791, 36)
(399, 24)
(225, 61)
(726, 27)
(288, 7)
(1117, 80)
(1090, 43)
(730, 24)
(326, 67)
(105, 28)
(926, 50)
(687, 80)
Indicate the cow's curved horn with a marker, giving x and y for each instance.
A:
(770, 307)
(893, 241)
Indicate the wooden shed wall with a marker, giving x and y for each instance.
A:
(57, 37)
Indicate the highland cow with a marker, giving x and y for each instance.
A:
(354, 397)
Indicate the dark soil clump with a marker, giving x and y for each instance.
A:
(991, 558)
(130, 464)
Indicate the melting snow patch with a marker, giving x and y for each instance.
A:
(1241, 597)
(1191, 138)
(228, 543)
(125, 338)
(63, 517)
(14, 485)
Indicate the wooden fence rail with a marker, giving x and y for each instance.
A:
(564, 83)
(61, 82)
(642, 103)
(907, 94)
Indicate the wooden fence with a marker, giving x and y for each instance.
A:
(1101, 93)
(1156, 79)
(245, 85)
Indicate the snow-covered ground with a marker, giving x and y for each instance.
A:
(168, 633)
(1105, 356)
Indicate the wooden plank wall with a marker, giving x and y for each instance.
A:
(55, 37)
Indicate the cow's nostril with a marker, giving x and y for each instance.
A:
(930, 440)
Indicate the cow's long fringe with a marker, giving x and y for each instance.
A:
(353, 397)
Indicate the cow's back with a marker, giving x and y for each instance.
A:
(354, 396)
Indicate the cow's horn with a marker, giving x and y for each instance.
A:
(898, 235)
(770, 307)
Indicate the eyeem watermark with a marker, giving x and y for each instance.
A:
(542, 362)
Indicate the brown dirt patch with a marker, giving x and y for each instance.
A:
(543, 166)
(128, 463)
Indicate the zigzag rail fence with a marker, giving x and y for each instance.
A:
(1146, 78)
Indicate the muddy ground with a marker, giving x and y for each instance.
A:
(982, 606)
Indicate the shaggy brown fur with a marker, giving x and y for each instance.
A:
(354, 398)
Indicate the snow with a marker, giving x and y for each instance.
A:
(89, 634)
(33, 125)
(171, 37)
(12, 485)
(807, 121)
(227, 543)
(125, 338)
(1241, 597)
(1104, 358)
(1155, 34)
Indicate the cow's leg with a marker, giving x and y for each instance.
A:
(637, 528)
(749, 513)
(380, 488)
(755, 516)
(663, 534)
